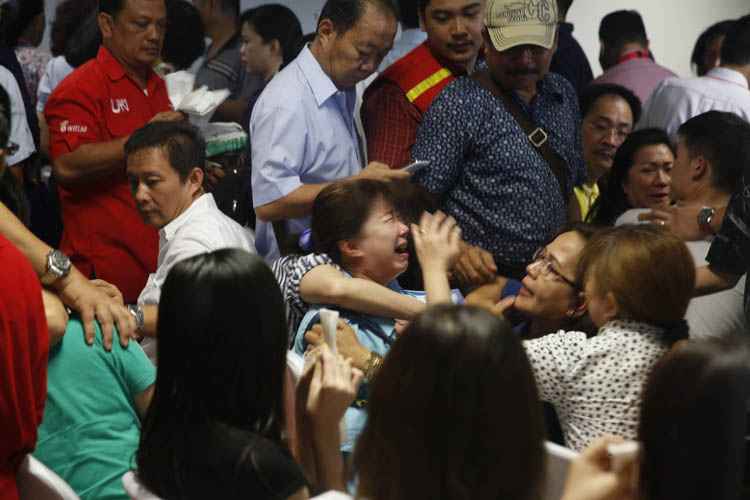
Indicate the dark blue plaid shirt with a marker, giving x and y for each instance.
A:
(730, 250)
(490, 177)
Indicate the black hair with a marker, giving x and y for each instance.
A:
(693, 422)
(11, 191)
(612, 202)
(67, 21)
(723, 139)
(704, 40)
(181, 142)
(621, 27)
(592, 93)
(111, 7)
(85, 42)
(6, 116)
(736, 47)
(563, 6)
(344, 14)
(276, 22)
(17, 16)
(184, 40)
(221, 357)
(409, 11)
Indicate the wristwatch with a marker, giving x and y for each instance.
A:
(58, 267)
(705, 216)
(137, 312)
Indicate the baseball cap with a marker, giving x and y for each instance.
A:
(521, 22)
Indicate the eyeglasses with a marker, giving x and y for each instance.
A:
(545, 267)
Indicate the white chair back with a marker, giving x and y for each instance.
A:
(559, 459)
(134, 489)
(37, 482)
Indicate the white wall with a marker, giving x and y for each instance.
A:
(673, 26)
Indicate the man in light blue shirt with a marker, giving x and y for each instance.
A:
(302, 127)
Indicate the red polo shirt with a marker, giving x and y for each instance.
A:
(103, 232)
(24, 344)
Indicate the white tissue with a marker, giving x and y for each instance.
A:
(329, 319)
(198, 104)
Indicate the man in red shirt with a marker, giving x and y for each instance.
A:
(91, 114)
(395, 103)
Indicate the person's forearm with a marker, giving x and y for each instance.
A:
(326, 285)
(56, 315)
(436, 286)
(296, 204)
(329, 463)
(89, 162)
(708, 281)
(150, 318)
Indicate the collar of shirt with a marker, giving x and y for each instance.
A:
(619, 326)
(728, 75)
(320, 83)
(203, 203)
(115, 72)
(546, 87)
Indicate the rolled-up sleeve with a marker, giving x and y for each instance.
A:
(278, 140)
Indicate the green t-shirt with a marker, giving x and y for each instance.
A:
(91, 428)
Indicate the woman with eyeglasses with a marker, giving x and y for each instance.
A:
(548, 298)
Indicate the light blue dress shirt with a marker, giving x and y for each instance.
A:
(302, 132)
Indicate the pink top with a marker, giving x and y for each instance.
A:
(641, 76)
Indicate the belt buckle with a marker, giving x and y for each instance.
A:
(538, 137)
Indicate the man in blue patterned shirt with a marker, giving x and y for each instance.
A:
(485, 138)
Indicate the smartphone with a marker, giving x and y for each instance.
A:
(416, 166)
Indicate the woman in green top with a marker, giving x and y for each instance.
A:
(95, 400)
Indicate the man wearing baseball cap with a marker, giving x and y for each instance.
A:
(505, 144)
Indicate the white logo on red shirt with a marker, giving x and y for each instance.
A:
(119, 105)
(65, 127)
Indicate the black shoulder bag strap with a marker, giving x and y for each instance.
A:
(537, 135)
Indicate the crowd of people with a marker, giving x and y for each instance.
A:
(515, 252)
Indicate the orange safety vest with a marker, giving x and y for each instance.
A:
(420, 76)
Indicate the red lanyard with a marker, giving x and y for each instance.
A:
(636, 54)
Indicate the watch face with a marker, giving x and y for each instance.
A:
(59, 263)
(705, 215)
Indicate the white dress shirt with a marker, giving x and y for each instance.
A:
(302, 132)
(676, 100)
(199, 229)
(20, 133)
(595, 384)
(56, 71)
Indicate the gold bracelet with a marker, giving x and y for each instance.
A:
(374, 362)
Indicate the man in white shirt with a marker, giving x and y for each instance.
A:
(165, 162)
(726, 88)
(712, 150)
(302, 128)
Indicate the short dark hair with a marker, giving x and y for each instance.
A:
(612, 202)
(67, 21)
(344, 14)
(17, 16)
(428, 441)
(704, 40)
(184, 39)
(563, 6)
(621, 27)
(340, 210)
(181, 142)
(5, 117)
(409, 11)
(693, 421)
(592, 93)
(736, 47)
(723, 139)
(85, 42)
(276, 22)
(214, 367)
(111, 7)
